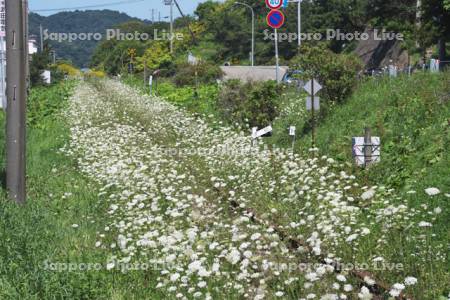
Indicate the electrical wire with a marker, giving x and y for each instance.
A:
(87, 6)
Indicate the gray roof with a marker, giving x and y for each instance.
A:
(256, 73)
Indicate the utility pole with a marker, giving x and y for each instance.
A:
(42, 37)
(2, 72)
(171, 26)
(145, 73)
(16, 56)
(299, 19)
(253, 31)
(27, 57)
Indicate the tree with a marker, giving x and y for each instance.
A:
(435, 25)
(336, 72)
(39, 62)
(154, 57)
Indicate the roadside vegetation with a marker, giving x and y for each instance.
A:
(56, 229)
(221, 216)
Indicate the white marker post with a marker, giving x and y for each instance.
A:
(150, 83)
(254, 131)
(292, 133)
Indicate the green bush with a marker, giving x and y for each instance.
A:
(45, 102)
(337, 73)
(207, 73)
(249, 103)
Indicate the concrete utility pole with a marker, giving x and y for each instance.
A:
(277, 58)
(16, 56)
(2, 72)
(253, 30)
(171, 26)
(41, 30)
(299, 20)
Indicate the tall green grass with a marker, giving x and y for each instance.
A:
(410, 114)
(39, 234)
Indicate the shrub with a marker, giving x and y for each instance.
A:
(337, 73)
(249, 103)
(68, 70)
(95, 74)
(207, 73)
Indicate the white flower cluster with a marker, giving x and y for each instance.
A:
(173, 210)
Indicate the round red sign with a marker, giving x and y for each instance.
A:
(275, 19)
(274, 4)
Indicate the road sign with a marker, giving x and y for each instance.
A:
(256, 134)
(358, 146)
(275, 19)
(308, 87)
(274, 4)
(309, 103)
(292, 130)
(192, 60)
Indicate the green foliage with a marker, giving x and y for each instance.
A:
(207, 73)
(411, 117)
(202, 101)
(336, 72)
(112, 55)
(95, 21)
(38, 238)
(39, 62)
(435, 25)
(155, 56)
(447, 4)
(250, 103)
(45, 102)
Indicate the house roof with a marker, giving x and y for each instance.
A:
(256, 73)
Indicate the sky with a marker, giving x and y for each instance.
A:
(141, 9)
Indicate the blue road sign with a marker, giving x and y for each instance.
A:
(275, 19)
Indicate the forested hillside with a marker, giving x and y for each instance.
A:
(78, 52)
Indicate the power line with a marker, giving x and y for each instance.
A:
(87, 6)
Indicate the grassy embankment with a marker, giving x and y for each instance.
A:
(39, 239)
(411, 115)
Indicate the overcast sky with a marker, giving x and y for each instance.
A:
(140, 9)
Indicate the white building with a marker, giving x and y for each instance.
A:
(32, 46)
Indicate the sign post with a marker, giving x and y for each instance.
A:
(275, 19)
(367, 149)
(312, 87)
(292, 133)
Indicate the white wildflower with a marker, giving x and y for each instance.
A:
(432, 191)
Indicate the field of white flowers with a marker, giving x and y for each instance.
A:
(222, 219)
